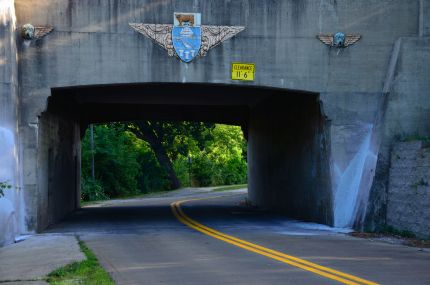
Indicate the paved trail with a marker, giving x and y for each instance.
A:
(218, 241)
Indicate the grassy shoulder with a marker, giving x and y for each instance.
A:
(87, 272)
(231, 187)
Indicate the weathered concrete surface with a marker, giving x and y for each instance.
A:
(410, 89)
(424, 18)
(93, 44)
(406, 113)
(37, 256)
(288, 163)
(409, 188)
(11, 206)
(355, 123)
(59, 166)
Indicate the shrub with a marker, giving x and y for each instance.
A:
(92, 190)
(3, 186)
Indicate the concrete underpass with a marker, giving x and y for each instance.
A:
(337, 134)
(370, 92)
(286, 130)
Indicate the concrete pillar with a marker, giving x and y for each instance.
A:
(10, 205)
(58, 157)
(288, 159)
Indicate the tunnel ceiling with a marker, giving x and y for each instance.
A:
(221, 103)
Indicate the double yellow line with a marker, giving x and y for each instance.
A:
(279, 256)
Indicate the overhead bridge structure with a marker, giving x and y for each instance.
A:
(278, 123)
(319, 120)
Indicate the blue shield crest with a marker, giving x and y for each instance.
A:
(187, 41)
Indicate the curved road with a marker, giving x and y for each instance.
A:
(221, 241)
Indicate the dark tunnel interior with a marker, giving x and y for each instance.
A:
(288, 165)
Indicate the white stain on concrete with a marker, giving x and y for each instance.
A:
(7, 9)
(347, 193)
(10, 202)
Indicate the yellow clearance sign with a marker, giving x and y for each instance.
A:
(242, 71)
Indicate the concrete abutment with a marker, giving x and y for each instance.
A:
(58, 160)
(288, 158)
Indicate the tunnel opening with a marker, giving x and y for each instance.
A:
(126, 159)
(286, 130)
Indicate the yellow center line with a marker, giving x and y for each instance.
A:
(279, 256)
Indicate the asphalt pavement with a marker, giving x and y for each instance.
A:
(140, 241)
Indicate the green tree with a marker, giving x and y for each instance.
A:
(170, 139)
(221, 161)
(116, 159)
(141, 157)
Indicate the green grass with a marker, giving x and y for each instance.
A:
(414, 138)
(401, 233)
(86, 203)
(231, 187)
(87, 272)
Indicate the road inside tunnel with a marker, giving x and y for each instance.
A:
(140, 240)
(287, 133)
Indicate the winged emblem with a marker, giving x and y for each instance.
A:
(30, 32)
(339, 40)
(159, 33)
(211, 36)
(215, 35)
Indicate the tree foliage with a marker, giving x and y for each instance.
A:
(119, 162)
(221, 160)
(170, 139)
(134, 158)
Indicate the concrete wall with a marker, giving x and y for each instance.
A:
(11, 206)
(288, 159)
(409, 188)
(59, 156)
(405, 112)
(424, 18)
(355, 123)
(281, 34)
(410, 89)
(93, 44)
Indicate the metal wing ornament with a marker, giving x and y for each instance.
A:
(40, 32)
(339, 40)
(159, 33)
(30, 32)
(326, 39)
(351, 39)
(215, 35)
(212, 36)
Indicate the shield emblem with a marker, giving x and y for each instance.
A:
(187, 42)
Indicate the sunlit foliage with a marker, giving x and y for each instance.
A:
(125, 165)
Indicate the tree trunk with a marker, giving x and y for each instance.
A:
(148, 134)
